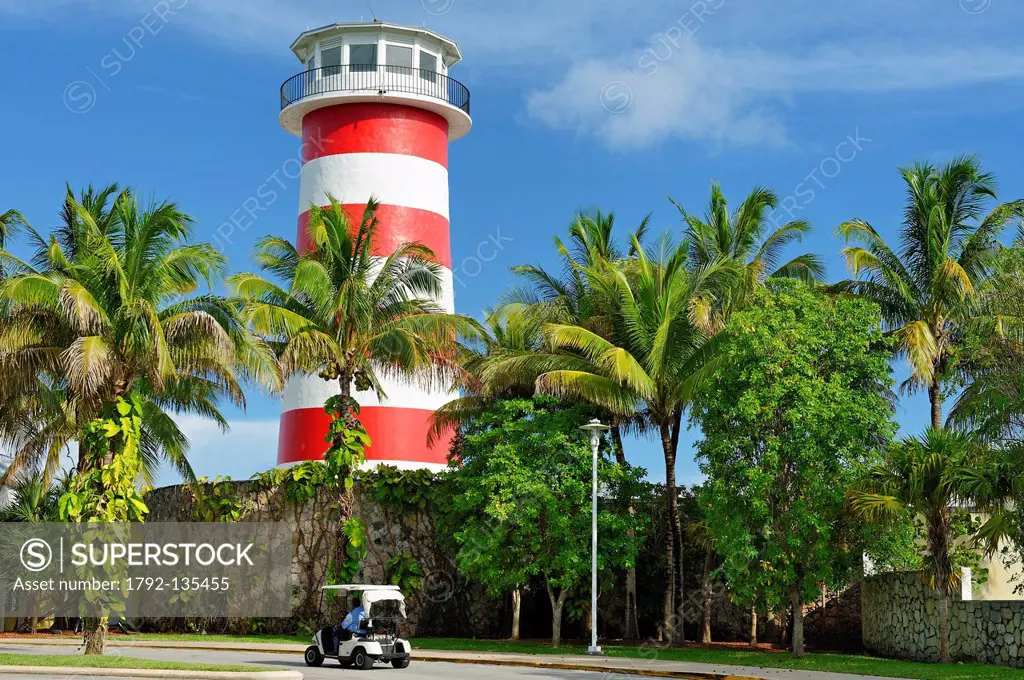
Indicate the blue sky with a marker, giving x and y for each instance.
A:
(576, 104)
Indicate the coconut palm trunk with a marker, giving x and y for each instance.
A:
(935, 400)
(674, 606)
(938, 542)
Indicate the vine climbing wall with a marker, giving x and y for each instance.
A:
(383, 531)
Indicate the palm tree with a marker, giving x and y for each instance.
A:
(10, 222)
(929, 477)
(652, 364)
(349, 316)
(991, 405)
(745, 239)
(927, 290)
(34, 499)
(567, 297)
(106, 307)
(509, 331)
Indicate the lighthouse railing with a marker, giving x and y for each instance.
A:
(359, 78)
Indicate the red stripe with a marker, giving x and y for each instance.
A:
(398, 225)
(375, 128)
(395, 434)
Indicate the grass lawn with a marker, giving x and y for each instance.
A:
(81, 661)
(836, 663)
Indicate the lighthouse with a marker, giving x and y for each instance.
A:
(375, 109)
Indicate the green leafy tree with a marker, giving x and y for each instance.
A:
(797, 404)
(348, 316)
(649, 369)
(746, 241)
(927, 288)
(938, 477)
(514, 330)
(521, 497)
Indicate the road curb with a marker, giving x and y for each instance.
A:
(609, 670)
(152, 673)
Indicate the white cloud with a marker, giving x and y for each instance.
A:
(679, 89)
(250, 446)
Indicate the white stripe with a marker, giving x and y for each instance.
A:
(371, 464)
(312, 392)
(391, 178)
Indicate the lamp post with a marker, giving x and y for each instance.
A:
(595, 427)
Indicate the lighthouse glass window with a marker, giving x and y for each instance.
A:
(363, 57)
(330, 61)
(399, 59)
(428, 66)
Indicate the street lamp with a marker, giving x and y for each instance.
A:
(595, 428)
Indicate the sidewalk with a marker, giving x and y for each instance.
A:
(611, 667)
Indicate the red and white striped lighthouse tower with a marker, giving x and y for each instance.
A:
(375, 109)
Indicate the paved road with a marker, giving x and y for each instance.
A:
(422, 670)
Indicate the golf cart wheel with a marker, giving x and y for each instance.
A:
(361, 660)
(313, 657)
(400, 663)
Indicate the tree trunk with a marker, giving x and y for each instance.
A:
(935, 399)
(824, 608)
(671, 631)
(681, 604)
(798, 622)
(753, 626)
(938, 540)
(708, 595)
(632, 627)
(517, 601)
(96, 637)
(348, 415)
(944, 629)
(557, 603)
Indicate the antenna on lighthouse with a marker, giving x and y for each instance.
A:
(369, 4)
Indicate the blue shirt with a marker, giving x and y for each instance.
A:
(351, 622)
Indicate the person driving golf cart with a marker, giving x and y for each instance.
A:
(353, 623)
(368, 634)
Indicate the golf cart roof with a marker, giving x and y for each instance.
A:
(359, 588)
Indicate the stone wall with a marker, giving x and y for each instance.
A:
(899, 616)
(445, 605)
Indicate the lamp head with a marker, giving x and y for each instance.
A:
(595, 426)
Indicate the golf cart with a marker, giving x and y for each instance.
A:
(384, 608)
